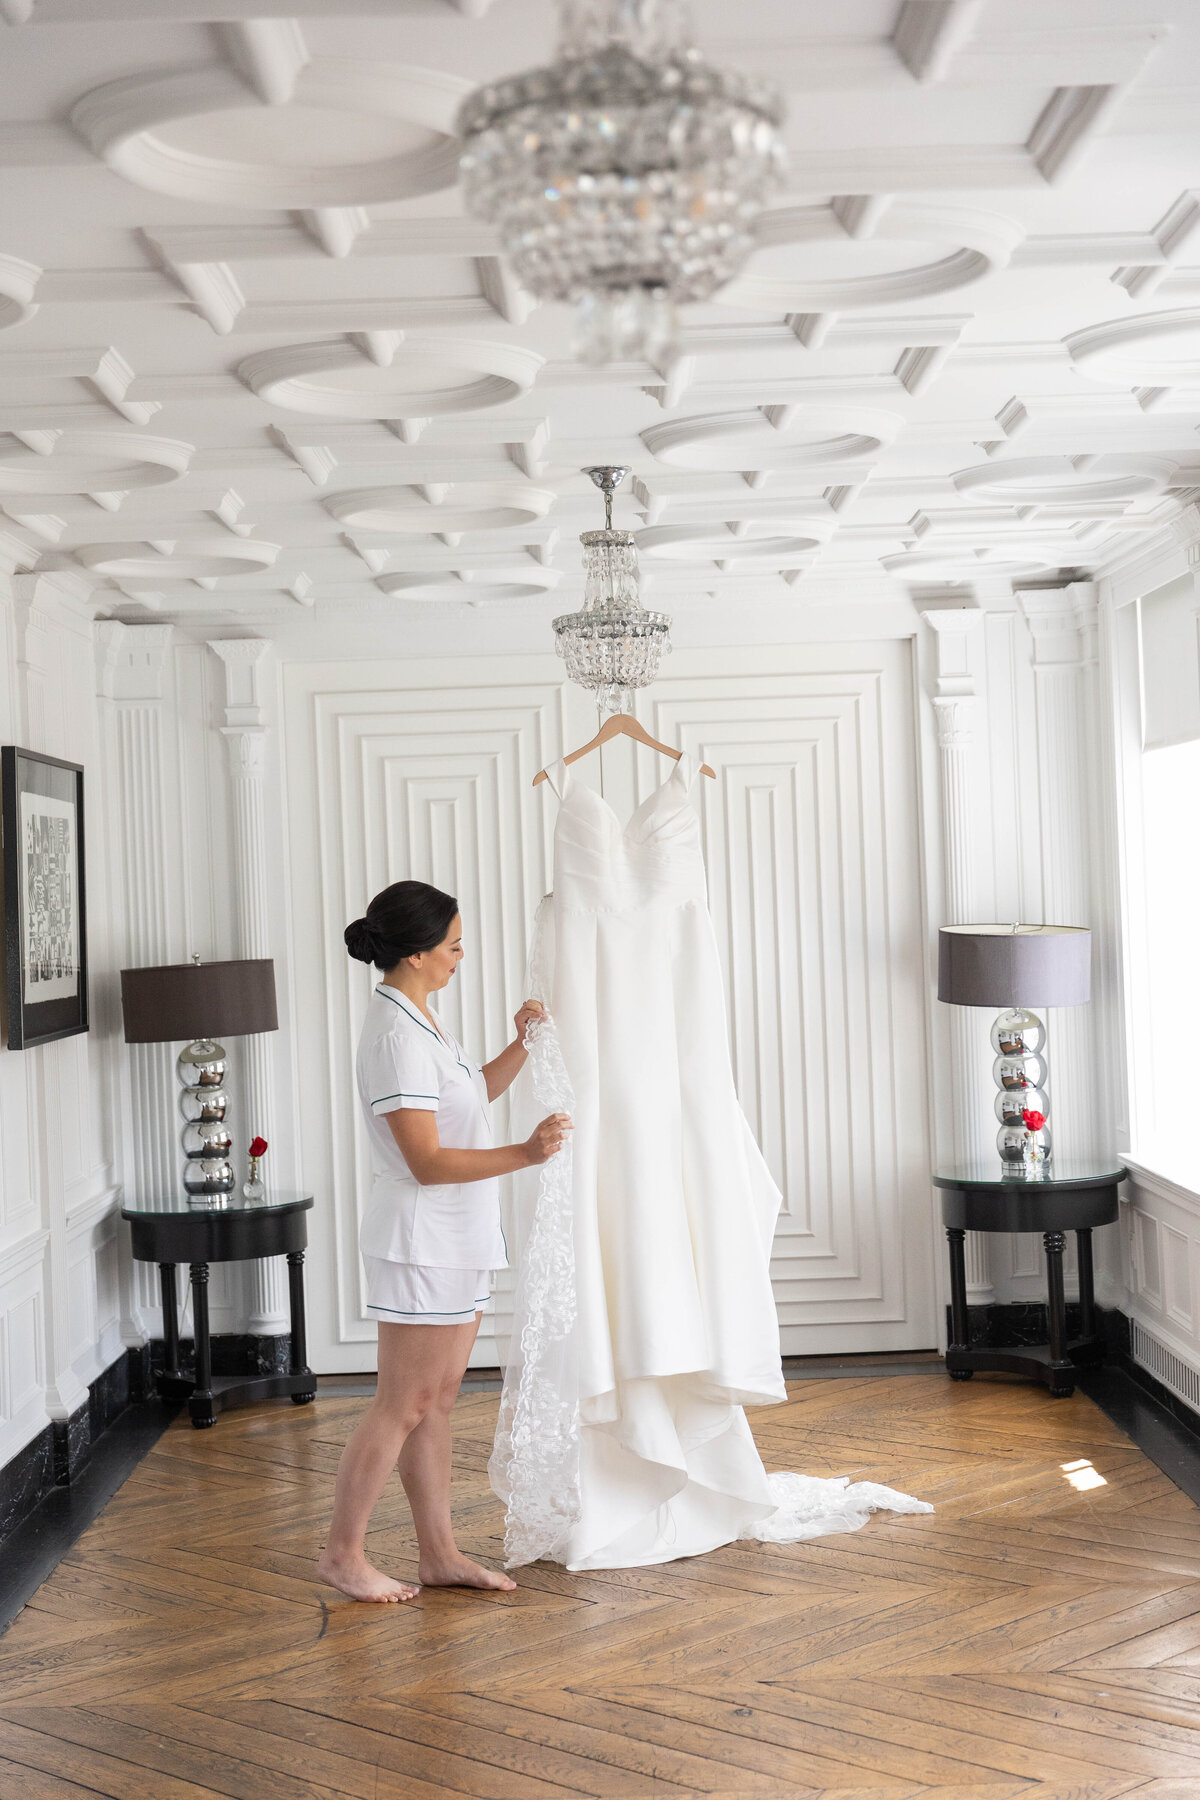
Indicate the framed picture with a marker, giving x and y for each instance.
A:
(45, 906)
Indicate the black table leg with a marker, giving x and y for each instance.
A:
(170, 1313)
(200, 1402)
(959, 1328)
(1061, 1370)
(1087, 1286)
(299, 1363)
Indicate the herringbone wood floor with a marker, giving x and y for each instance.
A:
(1027, 1639)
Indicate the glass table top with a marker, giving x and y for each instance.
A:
(275, 1199)
(1060, 1172)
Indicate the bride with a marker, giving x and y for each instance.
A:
(644, 1320)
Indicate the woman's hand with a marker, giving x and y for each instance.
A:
(531, 1010)
(549, 1137)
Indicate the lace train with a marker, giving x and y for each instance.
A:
(816, 1506)
(534, 1465)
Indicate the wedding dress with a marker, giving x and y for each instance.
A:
(644, 1319)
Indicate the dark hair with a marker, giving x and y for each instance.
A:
(406, 918)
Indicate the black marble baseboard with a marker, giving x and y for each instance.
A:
(1009, 1325)
(233, 1353)
(1115, 1331)
(60, 1453)
(26, 1480)
(34, 1547)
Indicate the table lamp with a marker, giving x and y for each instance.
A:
(201, 1001)
(1016, 967)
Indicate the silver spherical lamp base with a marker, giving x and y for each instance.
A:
(207, 1173)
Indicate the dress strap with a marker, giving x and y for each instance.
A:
(558, 777)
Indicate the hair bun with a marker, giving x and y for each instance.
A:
(361, 940)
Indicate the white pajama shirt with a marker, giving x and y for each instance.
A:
(427, 1250)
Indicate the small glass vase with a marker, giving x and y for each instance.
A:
(1037, 1154)
(253, 1188)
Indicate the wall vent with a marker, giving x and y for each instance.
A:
(1169, 1368)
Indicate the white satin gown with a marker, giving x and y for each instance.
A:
(644, 1317)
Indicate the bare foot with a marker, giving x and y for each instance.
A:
(458, 1570)
(355, 1576)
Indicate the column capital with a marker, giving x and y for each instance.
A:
(1185, 529)
(952, 628)
(245, 660)
(1061, 623)
(16, 552)
(247, 750)
(954, 716)
(131, 660)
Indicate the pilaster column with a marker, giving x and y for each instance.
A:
(132, 666)
(955, 702)
(1063, 625)
(245, 662)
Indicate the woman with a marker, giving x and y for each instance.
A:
(429, 1236)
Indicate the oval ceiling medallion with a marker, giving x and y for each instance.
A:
(349, 134)
(762, 543)
(460, 506)
(806, 262)
(17, 283)
(90, 462)
(424, 377)
(196, 559)
(1055, 480)
(948, 563)
(468, 586)
(1153, 349)
(773, 438)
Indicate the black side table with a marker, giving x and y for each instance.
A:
(184, 1230)
(1075, 1197)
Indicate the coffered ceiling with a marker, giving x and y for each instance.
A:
(256, 361)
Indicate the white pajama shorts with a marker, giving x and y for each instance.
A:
(412, 1294)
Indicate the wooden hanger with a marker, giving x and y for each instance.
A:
(623, 725)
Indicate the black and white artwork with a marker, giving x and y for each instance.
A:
(44, 920)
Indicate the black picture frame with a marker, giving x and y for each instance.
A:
(45, 898)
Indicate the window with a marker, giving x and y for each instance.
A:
(1168, 1100)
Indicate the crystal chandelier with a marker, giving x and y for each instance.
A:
(625, 176)
(613, 645)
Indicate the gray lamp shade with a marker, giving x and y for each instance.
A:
(184, 1001)
(1014, 965)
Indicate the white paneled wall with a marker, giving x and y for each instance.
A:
(278, 781)
(60, 1301)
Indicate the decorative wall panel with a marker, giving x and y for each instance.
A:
(813, 861)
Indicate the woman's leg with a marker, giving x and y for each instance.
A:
(412, 1364)
(424, 1465)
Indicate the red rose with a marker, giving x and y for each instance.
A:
(1033, 1120)
(258, 1146)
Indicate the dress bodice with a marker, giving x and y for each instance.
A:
(653, 860)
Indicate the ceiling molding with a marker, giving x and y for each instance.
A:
(987, 258)
(966, 244)
(83, 462)
(387, 375)
(929, 33)
(451, 508)
(194, 132)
